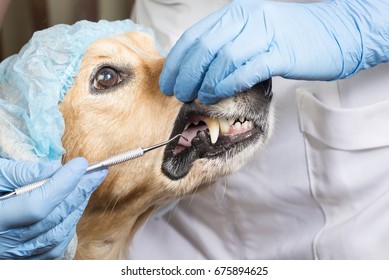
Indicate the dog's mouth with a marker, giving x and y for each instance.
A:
(201, 128)
(211, 137)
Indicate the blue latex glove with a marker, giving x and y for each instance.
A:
(249, 41)
(40, 224)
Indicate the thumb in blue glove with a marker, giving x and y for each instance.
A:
(40, 224)
(249, 41)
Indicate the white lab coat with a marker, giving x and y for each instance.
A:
(319, 190)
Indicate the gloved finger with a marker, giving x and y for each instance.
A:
(32, 207)
(44, 253)
(174, 59)
(229, 58)
(254, 71)
(14, 174)
(196, 62)
(219, 68)
(49, 240)
(208, 98)
(77, 197)
(56, 252)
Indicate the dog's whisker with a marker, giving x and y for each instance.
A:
(114, 205)
(142, 227)
(173, 211)
(193, 195)
(224, 190)
(106, 207)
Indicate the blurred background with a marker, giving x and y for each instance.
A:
(19, 19)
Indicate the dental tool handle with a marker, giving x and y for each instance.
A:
(120, 158)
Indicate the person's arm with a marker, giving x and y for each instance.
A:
(41, 224)
(249, 41)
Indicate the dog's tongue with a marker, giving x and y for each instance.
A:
(189, 134)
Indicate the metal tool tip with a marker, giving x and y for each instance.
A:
(186, 139)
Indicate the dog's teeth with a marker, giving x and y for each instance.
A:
(245, 125)
(238, 126)
(213, 126)
(224, 127)
(230, 121)
(249, 124)
(241, 119)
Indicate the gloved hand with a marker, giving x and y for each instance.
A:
(40, 224)
(249, 41)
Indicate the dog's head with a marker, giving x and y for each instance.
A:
(115, 105)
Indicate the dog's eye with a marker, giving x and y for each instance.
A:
(106, 78)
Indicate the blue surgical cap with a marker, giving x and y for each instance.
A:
(34, 81)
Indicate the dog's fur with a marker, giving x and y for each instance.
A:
(102, 122)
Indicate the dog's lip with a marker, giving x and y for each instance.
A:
(177, 164)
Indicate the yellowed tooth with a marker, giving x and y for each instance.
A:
(213, 126)
(224, 127)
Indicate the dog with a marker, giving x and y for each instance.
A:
(115, 105)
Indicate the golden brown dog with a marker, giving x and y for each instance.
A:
(115, 105)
